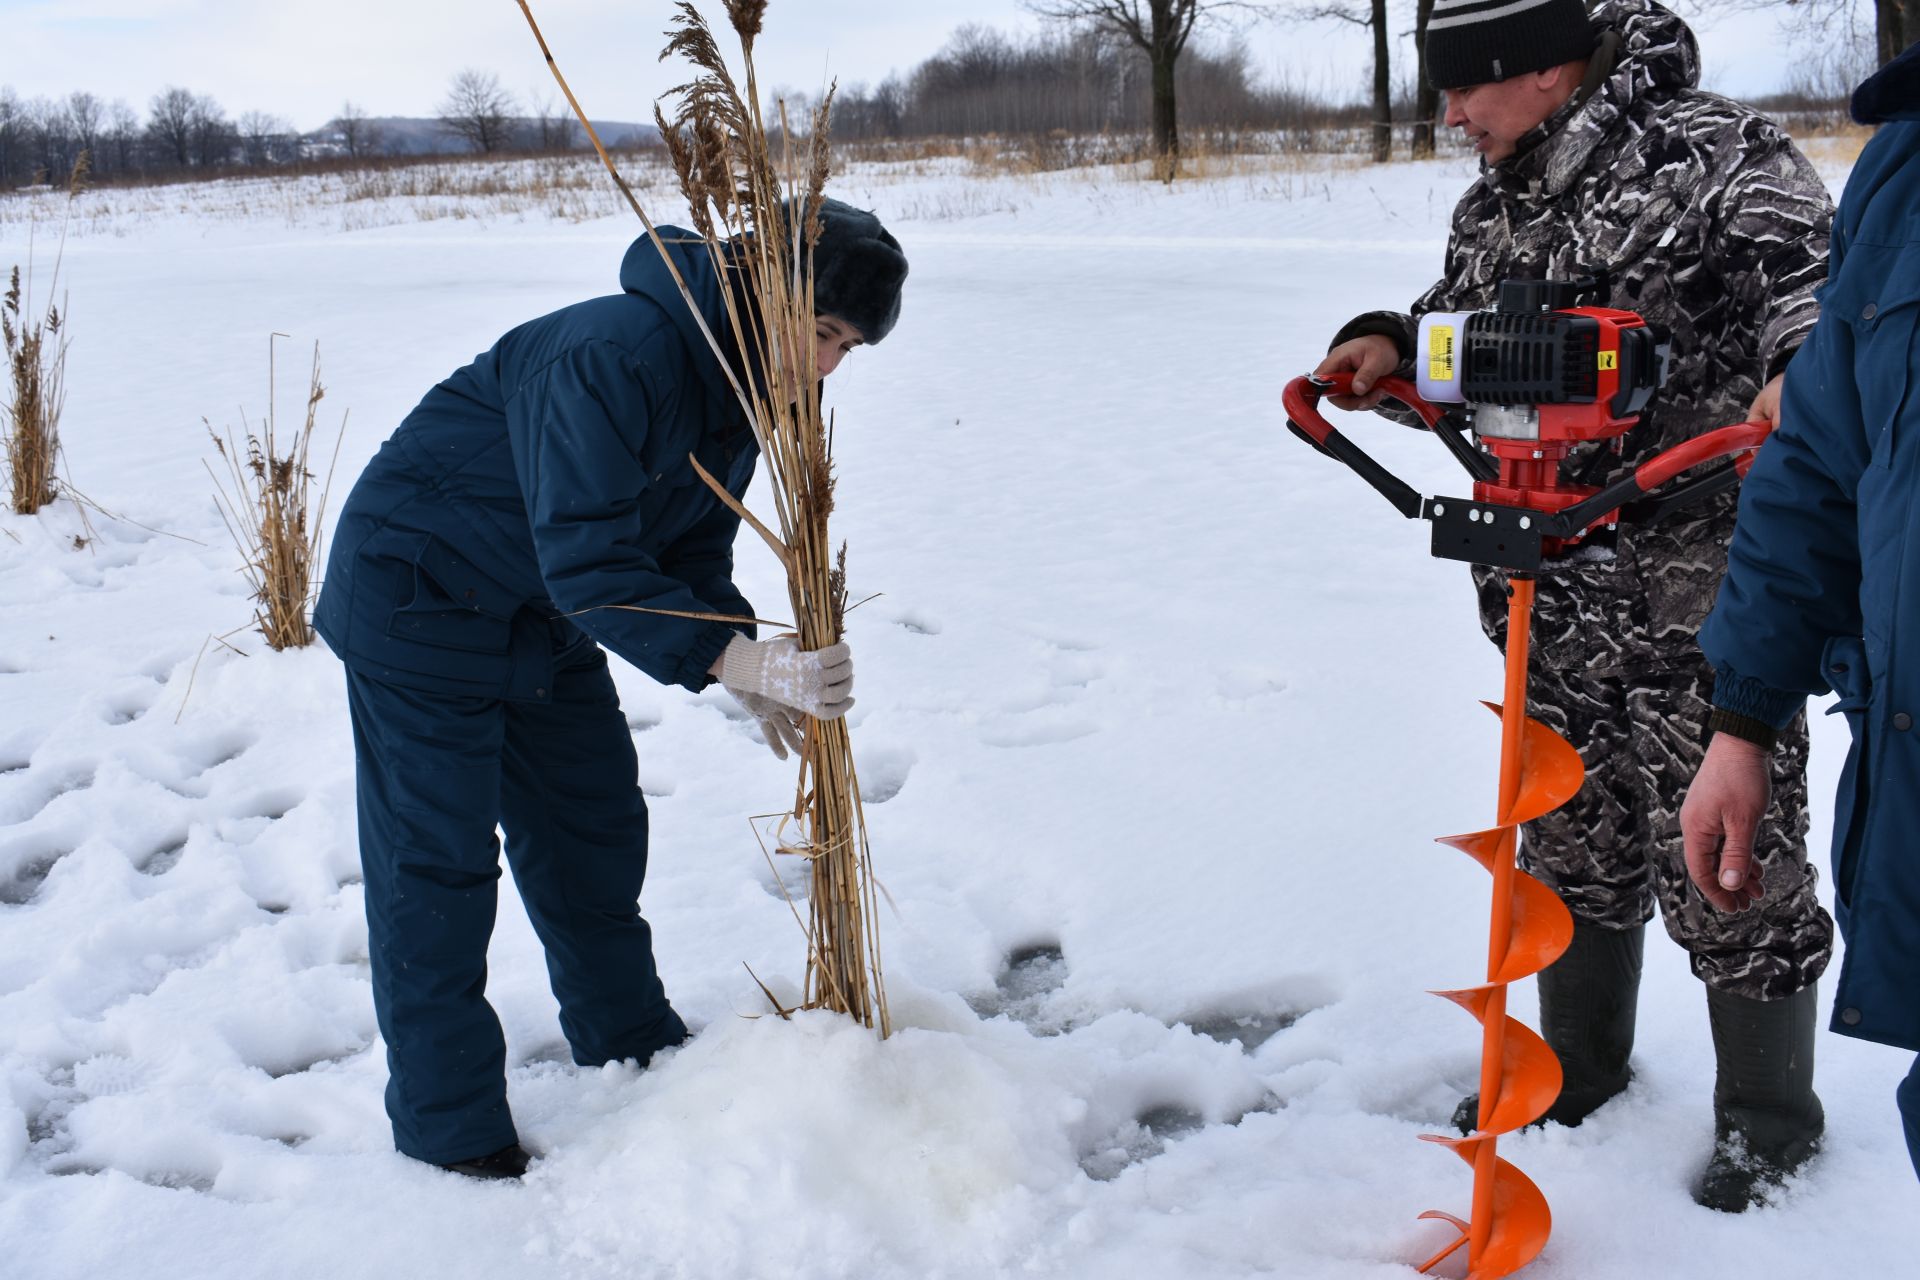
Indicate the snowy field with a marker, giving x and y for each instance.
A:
(1159, 715)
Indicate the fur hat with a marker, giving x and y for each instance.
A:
(858, 270)
(1482, 41)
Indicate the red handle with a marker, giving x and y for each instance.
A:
(1301, 400)
(1656, 471)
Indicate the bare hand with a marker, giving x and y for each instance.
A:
(1719, 818)
(1368, 358)
(1766, 405)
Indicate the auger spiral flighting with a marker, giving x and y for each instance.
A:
(1512, 392)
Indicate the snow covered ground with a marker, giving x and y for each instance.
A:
(1159, 713)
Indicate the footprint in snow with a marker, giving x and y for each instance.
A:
(883, 773)
(916, 623)
(42, 789)
(27, 865)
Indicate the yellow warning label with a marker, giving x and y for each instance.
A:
(1609, 359)
(1440, 353)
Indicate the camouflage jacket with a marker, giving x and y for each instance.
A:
(1709, 223)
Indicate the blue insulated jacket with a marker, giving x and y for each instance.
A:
(1823, 589)
(544, 480)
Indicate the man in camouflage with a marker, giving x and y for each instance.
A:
(1602, 156)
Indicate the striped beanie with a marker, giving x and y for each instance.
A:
(1480, 41)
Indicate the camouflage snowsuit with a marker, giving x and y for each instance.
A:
(1710, 224)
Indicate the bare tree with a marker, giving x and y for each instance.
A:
(1160, 29)
(478, 110)
(262, 137)
(213, 134)
(170, 125)
(86, 116)
(122, 137)
(358, 134)
(1371, 14)
(12, 134)
(555, 128)
(1896, 23)
(1426, 98)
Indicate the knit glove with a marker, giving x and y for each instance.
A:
(816, 682)
(782, 727)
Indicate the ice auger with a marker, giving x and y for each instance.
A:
(1528, 381)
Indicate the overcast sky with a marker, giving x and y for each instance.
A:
(301, 58)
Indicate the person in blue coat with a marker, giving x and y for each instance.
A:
(466, 593)
(1822, 593)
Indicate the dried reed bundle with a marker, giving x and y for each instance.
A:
(36, 346)
(265, 502)
(759, 224)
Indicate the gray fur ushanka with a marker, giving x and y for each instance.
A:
(1708, 222)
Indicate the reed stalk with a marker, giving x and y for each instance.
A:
(36, 347)
(268, 504)
(758, 223)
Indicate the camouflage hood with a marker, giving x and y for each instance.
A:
(1645, 54)
(1706, 220)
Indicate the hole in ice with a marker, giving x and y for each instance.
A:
(66, 1168)
(917, 624)
(1248, 1030)
(1026, 987)
(177, 1180)
(1142, 1138)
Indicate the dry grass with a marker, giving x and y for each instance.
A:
(739, 201)
(267, 502)
(36, 346)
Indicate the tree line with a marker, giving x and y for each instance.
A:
(186, 133)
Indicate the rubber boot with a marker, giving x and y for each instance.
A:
(1587, 1004)
(1767, 1120)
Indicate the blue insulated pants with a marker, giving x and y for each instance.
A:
(436, 774)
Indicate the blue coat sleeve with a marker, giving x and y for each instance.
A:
(1793, 576)
(576, 430)
(702, 557)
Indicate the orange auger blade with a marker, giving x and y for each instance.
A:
(1529, 929)
(1550, 771)
(1530, 1075)
(1521, 1220)
(1541, 925)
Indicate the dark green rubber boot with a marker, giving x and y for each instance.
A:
(1767, 1121)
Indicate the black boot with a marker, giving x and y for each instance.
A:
(1587, 1003)
(507, 1162)
(1767, 1120)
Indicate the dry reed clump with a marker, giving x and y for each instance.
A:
(739, 202)
(267, 503)
(36, 346)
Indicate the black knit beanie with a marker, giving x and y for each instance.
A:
(1480, 41)
(858, 270)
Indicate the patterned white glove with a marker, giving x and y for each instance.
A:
(816, 682)
(784, 728)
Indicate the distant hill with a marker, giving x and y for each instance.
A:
(422, 135)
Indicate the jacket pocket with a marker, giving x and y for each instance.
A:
(447, 604)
